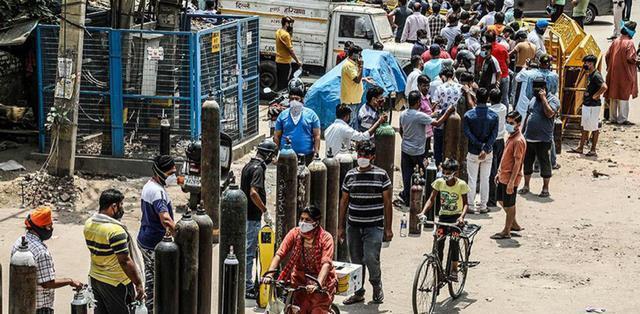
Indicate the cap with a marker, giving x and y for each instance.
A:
(542, 23)
(39, 217)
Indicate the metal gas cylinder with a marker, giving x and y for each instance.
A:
(346, 163)
(452, 136)
(187, 238)
(385, 141)
(303, 197)
(286, 182)
(167, 273)
(205, 256)
(318, 187)
(415, 200)
(22, 281)
(333, 194)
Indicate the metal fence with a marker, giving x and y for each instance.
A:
(131, 78)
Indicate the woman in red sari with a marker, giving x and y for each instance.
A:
(310, 251)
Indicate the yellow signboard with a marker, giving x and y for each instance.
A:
(215, 42)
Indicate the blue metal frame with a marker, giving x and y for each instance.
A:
(194, 65)
(115, 93)
(240, 80)
(42, 115)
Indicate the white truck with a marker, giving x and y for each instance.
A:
(320, 30)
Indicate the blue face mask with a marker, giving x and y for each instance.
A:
(510, 128)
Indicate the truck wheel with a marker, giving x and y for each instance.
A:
(268, 75)
(590, 17)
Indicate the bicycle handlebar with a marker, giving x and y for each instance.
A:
(444, 224)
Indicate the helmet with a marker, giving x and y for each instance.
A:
(267, 147)
(194, 150)
(295, 83)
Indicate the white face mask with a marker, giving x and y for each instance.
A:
(296, 110)
(363, 162)
(171, 180)
(306, 226)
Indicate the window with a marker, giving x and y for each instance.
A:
(354, 26)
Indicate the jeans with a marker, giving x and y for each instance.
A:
(438, 145)
(627, 9)
(498, 149)
(474, 165)
(364, 246)
(407, 165)
(110, 299)
(283, 71)
(618, 110)
(504, 91)
(253, 228)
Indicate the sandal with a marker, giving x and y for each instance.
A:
(517, 230)
(353, 299)
(575, 151)
(628, 123)
(591, 154)
(524, 190)
(500, 236)
(544, 194)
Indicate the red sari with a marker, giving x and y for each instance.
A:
(309, 261)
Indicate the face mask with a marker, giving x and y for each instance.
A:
(118, 215)
(306, 226)
(43, 233)
(540, 31)
(484, 54)
(510, 128)
(171, 180)
(356, 56)
(290, 29)
(296, 110)
(363, 162)
(424, 41)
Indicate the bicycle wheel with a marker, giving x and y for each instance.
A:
(456, 287)
(334, 309)
(425, 283)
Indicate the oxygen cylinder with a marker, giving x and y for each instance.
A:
(432, 171)
(230, 284)
(415, 200)
(303, 197)
(318, 187)
(333, 194)
(346, 163)
(165, 136)
(187, 238)
(210, 163)
(463, 144)
(79, 304)
(385, 140)
(167, 273)
(233, 233)
(452, 136)
(22, 281)
(287, 181)
(205, 255)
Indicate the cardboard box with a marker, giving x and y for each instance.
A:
(349, 278)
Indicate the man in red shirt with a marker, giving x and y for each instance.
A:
(510, 174)
(502, 55)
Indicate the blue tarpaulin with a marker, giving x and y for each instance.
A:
(381, 66)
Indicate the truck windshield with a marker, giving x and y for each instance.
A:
(382, 25)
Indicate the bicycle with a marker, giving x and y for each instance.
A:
(287, 295)
(430, 276)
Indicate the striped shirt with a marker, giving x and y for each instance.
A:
(104, 241)
(366, 205)
(45, 271)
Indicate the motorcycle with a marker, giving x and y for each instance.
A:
(279, 101)
(191, 169)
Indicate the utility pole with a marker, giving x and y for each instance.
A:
(67, 91)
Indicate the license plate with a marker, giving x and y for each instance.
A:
(192, 181)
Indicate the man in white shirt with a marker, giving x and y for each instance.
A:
(489, 19)
(495, 97)
(339, 134)
(536, 37)
(415, 22)
(412, 78)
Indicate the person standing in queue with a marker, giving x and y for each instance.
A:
(366, 211)
(300, 124)
(622, 77)
(253, 186)
(116, 262)
(498, 146)
(510, 173)
(351, 88)
(340, 134)
(39, 225)
(591, 106)
(285, 53)
(157, 216)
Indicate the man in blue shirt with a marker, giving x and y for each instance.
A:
(480, 125)
(538, 131)
(157, 216)
(301, 125)
(544, 71)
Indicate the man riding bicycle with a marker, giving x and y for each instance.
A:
(453, 208)
(310, 250)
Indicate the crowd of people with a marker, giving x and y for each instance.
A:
(483, 65)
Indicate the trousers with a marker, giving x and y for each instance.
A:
(498, 149)
(476, 166)
(618, 110)
(149, 259)
(253, 228)
(112, 300)
(364, 246)
(618, 8)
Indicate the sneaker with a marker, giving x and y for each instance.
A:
(473, 210)
(483, 210)
(378, 294)
(250, 295)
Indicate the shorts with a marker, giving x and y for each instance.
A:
(590, 118)
(542, 152)
(508, 200)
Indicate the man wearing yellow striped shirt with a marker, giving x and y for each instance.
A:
(115, 275)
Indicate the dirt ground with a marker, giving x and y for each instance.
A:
(579, 247)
